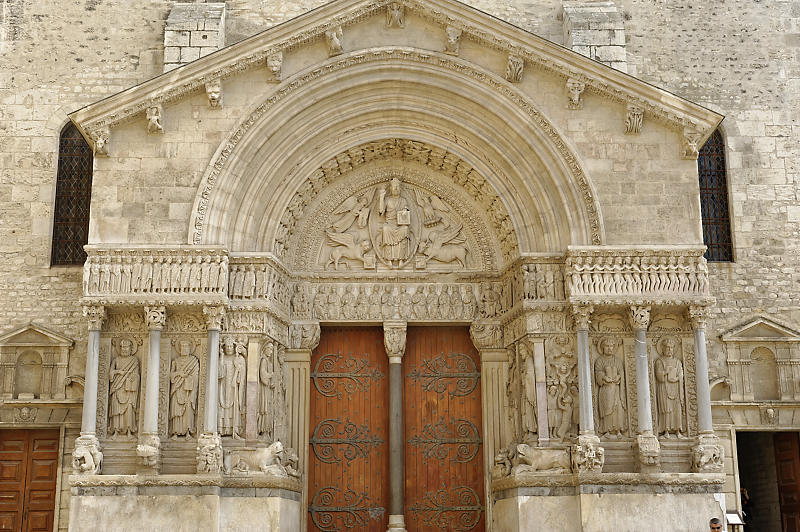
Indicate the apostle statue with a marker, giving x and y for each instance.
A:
(608, 372)
(232, 385)
(184, 376)
(123, 390)
(266, 385)
(669, 388)
(528, 402)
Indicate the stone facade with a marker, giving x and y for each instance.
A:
(598, 165)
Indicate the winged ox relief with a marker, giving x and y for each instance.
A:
(394, 225)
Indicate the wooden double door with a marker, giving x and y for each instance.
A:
(349, 431)
(28, 473)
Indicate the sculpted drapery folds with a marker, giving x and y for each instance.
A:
(184, 378)
(608, 375)
(669, 388)
(528, 389)
(562, 392)
(394, 235)
(123, 390)
(272, 377)
(232, 384)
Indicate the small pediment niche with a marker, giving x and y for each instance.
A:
(762, 357)
(33, 363)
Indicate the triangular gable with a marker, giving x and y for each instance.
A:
(690, 119)
(761, 329)
(34, 335)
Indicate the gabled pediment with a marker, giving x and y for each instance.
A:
(761, 329)
(266, 50)
(34, 335)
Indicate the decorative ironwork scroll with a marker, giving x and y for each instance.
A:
(331, 513)
(354, 374)
(437, 437)
(356, 438)
(439, 374)
(458, 510)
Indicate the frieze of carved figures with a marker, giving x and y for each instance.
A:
(123, 388)
(145, 274)
(661, 275)
(528, 412)
(670, 397)
(486, 335)
(562, 390)
(184, 385)
(214, 93)
(333, 39)
(634, 116)
(393, 223)
(154, 117)
(453, 43)
(304, 335)
(543, 282)
(609, 378)
(301, 301)
(100, 138)
(395, 15)
(258, 281)
(575, 88)
(378, 302)
(514, 68)
(232, 386)
(275, 64)
(272, 381)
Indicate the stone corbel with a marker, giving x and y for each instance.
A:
(214, 93)
(690, 148)
(394, 339)
(100, 138)
(333, 39)
(514, 68)
(587, 454)
(395, 15)
(304, 335)
(486, 335)
(154, 117)
(453, 44)
(633, 119)
(275, 64)
(575, 88)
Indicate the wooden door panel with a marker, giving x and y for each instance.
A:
(787, 466)
(444, 484)
(13, 472)
(348, 444)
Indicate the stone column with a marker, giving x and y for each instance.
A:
(149, 447)
(87, 458)
(648, 450)
(707, 454)
(394, 339)
(303, 339)
(252, 402)
(587, 455)
(209, 443)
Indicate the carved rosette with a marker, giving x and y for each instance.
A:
(149, 452)
(640, 316)
(394, 339)
(582, 314)
(304, 335)
(648, 453)
(486, 335)
(155, 317)
(87, 457)
(708, 456)
(587, 454)
(698, 315)
(214, 317)
(95, 315)
(209, 453)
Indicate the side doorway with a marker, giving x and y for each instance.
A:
(28, 475)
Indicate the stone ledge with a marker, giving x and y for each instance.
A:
(583, 480)
(256, 481)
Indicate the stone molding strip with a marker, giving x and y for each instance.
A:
(607, 479)
(260, 480)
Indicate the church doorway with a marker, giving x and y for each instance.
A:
(769, 477)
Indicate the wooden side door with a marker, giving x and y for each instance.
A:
(348, 478)
(28, 472)
(787, 465)
(444, 484)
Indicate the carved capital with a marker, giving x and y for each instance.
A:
(575, 88)
(633, 119)
(648, 454)
(333, 38)
(708, 455)
(100, 138)
(453, 40)
(640, 316)
(587, 455)
(394, 339)
(698, 315)
(395, 15)
(486, 335)
(275, 64)
(514, 68)
(87, 457)
(214, 317)
(155, 317)
(690, 148)
(209, 453)
(154, 119)
(582, 314)
(304, 335)
(96, 315)
(214, 93)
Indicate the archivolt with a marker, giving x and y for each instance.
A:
(373, 95)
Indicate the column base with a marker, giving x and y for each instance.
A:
(209, 453)
(648, 454)
(87, 457)
(397, 523)
(708, 455)
(149, 452)
(587, 454)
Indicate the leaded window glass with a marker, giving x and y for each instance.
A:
(714, 200)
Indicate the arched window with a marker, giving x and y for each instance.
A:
(73, 196)
(714, 200)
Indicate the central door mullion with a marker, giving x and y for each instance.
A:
(394, 337)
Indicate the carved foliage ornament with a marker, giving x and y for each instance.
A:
(395, 15)
(633, 119)
(95, 315)
(514, 68)
(155, 317)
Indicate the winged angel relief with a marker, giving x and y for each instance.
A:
(393, 224)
